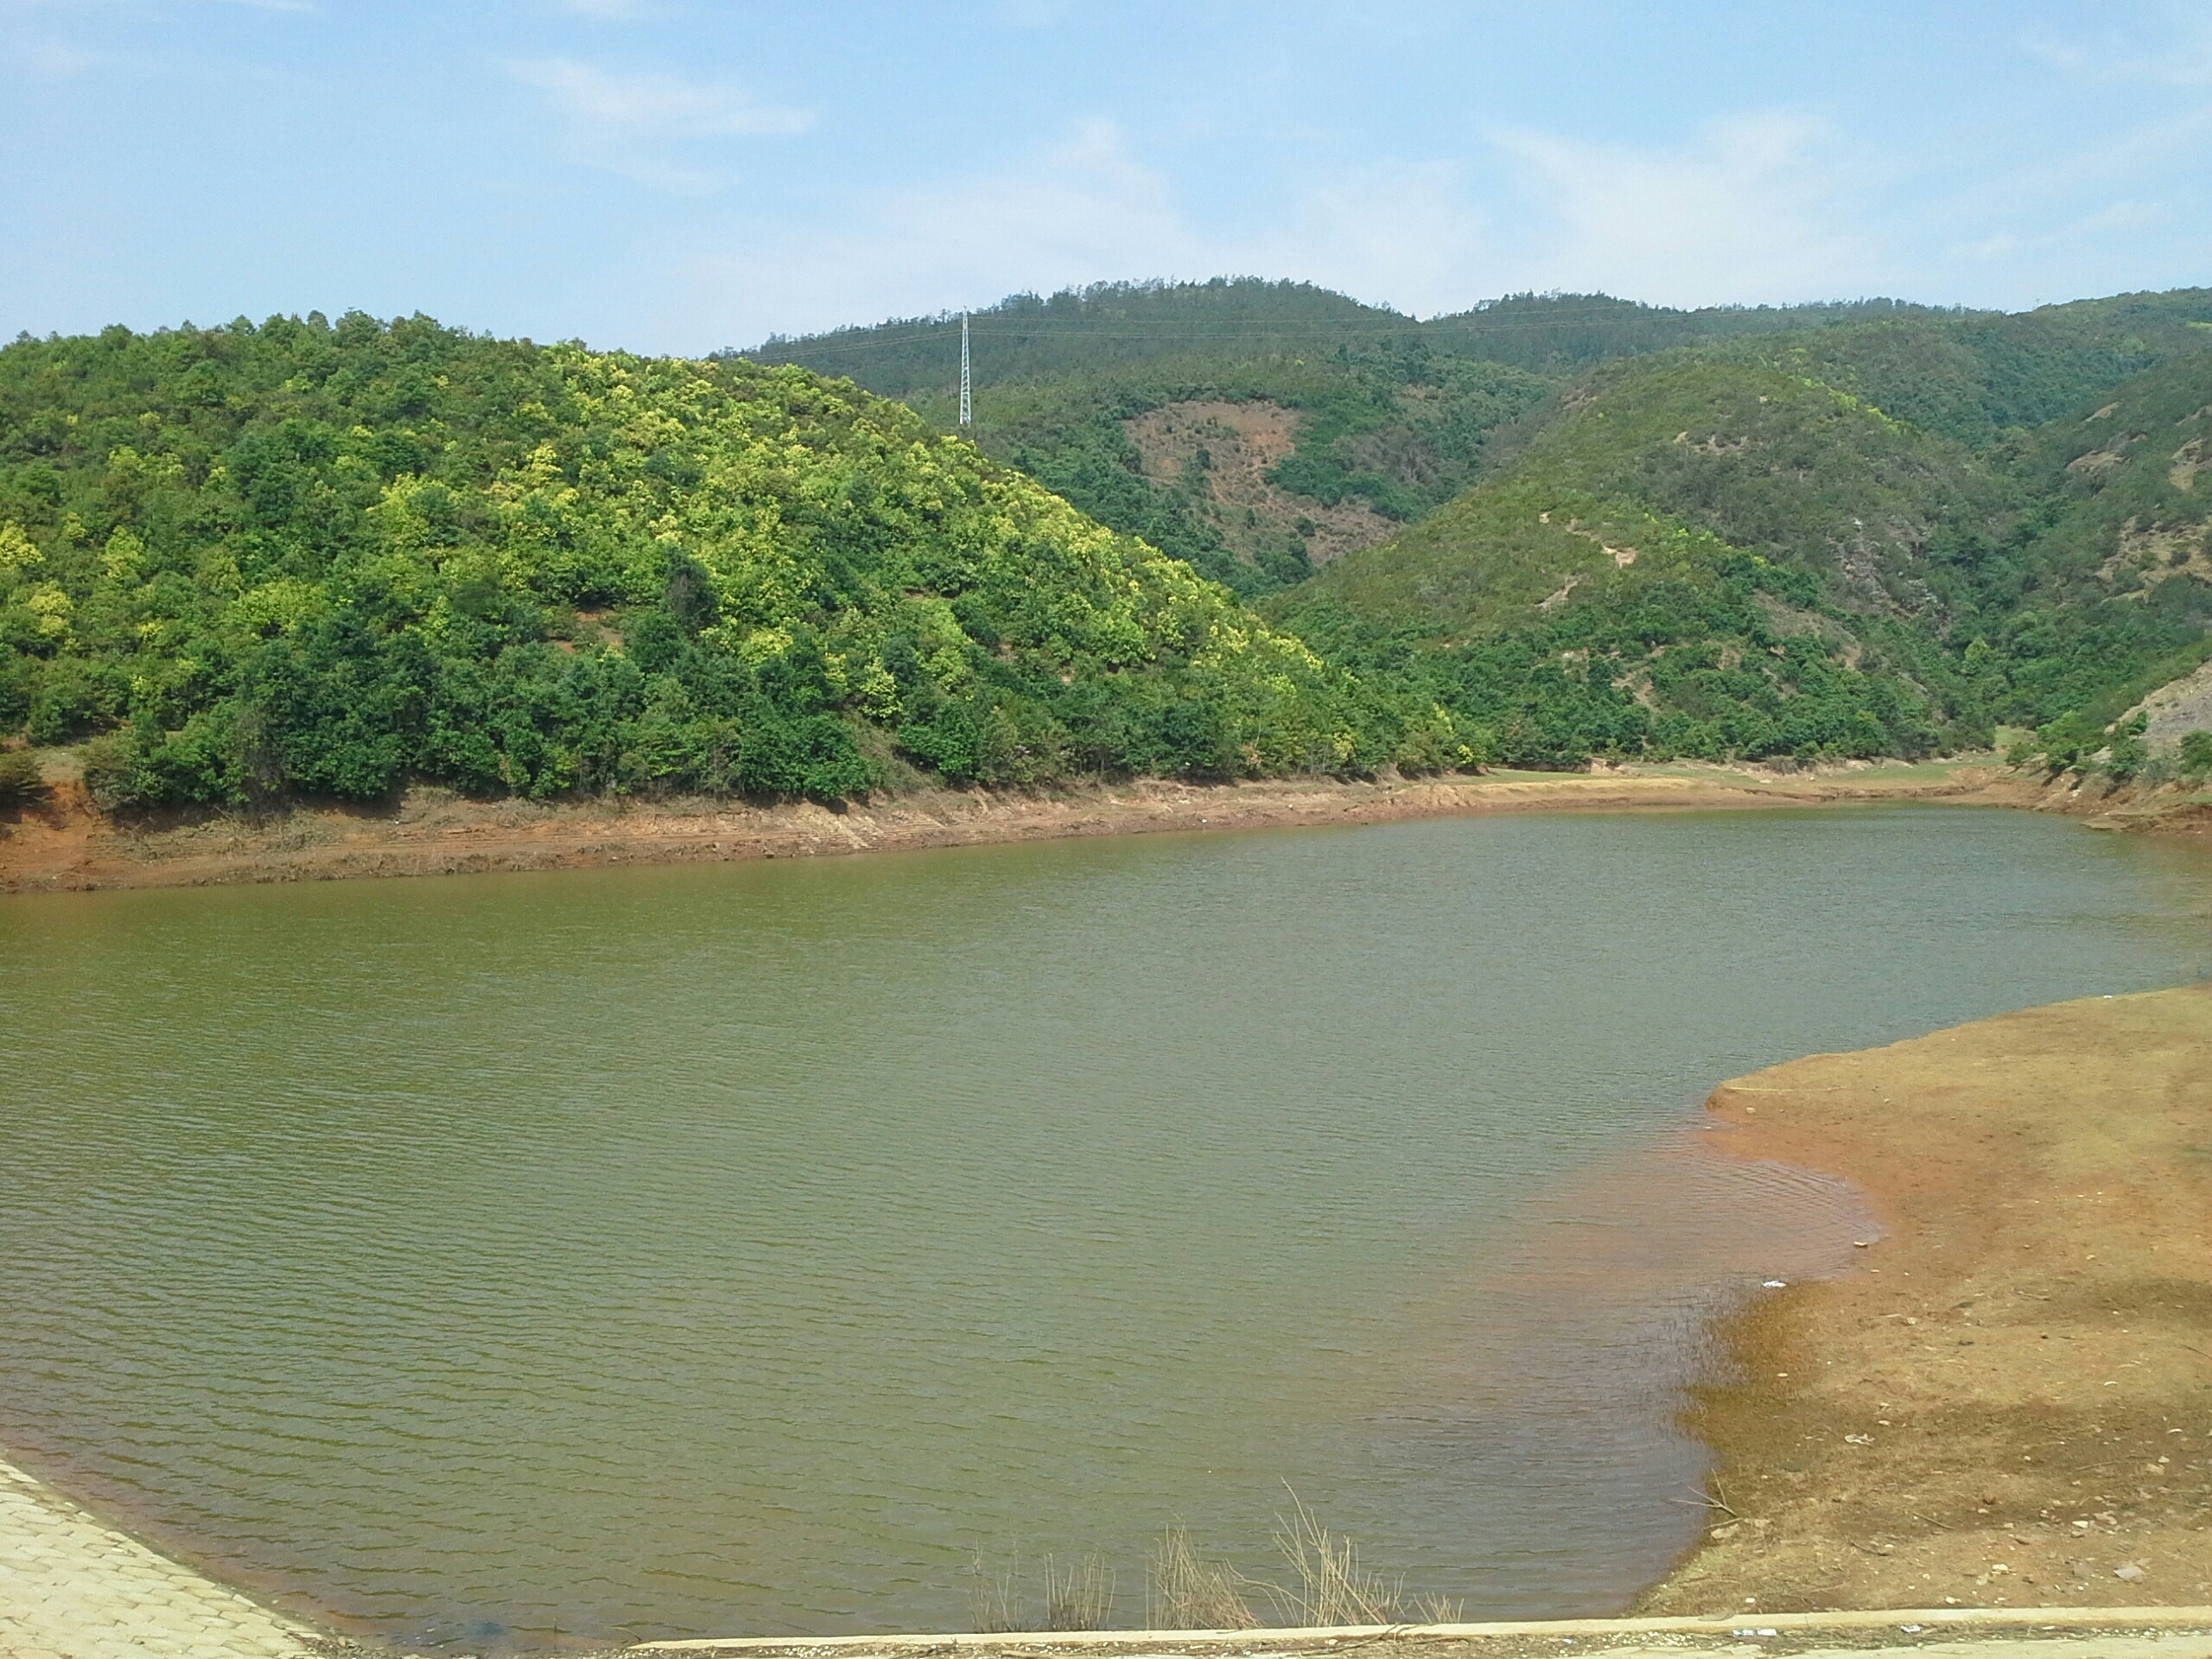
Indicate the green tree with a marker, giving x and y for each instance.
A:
(2195, 755)
(20, 778)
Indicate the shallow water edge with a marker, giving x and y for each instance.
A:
(67, 846)
(2003, 1404)
(563, 1254)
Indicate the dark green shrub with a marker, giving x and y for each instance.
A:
(2128, 755)
(2195, 755)
(20, 779)
(112, 772)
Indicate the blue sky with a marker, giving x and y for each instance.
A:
(673, 175)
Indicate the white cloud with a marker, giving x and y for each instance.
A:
(648, 127)
(1399, 234)
(2183, 59)
(55, 58)
(1749, 210)
(1083, 211)
(2052, 227)
(655, 103)
(2119, 217)
(1752, 210)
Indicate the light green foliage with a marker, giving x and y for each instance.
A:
(1490, 560)
(18, 552)
(330, 558)
(1775, 463)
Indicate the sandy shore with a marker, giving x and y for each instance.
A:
(2010, 1401)
(64, 844)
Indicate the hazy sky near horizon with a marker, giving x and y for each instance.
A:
(677, 176)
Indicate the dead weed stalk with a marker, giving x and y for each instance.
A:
(1080, 1598)
(1185, 1592)
(1332, 1587)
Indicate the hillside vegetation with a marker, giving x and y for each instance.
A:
(1717, 552)
(2107, 589)
(327, 558)
(1028, 341)
(1389, 415)
(1394, 416)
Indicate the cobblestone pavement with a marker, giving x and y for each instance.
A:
(71, 1588)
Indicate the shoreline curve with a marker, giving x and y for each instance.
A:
(2008, 1403)
(66, 845)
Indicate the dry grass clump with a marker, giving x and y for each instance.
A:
(1188, 1592)
(1079, 1597)
(997, 1598)
(1082, 1598)
(1330, 1587)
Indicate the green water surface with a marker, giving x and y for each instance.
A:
(736, 1250)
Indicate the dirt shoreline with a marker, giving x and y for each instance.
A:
(64, 844)
(2009, 1402)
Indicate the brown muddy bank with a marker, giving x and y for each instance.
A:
(64, 844)
(2009, 1402)
(2161, 809)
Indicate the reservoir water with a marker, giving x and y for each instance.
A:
(758, 1248)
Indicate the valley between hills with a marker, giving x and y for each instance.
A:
(1207, 532)
(308, 599)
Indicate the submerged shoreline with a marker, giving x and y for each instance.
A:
(2004, 1407)
(2005, 1404)
(66, 845)
(1902, 1437)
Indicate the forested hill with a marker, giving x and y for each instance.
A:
(1575, 525)
(326, 559)
(1024, 339)
(309, 558)
(1720, 553)
(1259, 430)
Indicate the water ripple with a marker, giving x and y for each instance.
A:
(644, 1253)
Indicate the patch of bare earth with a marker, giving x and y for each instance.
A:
(64, 844)
(2157, 553)
(1240, 442)
(2192, 458)
(2009, 1403)
(2176, 708)
(2166, 809)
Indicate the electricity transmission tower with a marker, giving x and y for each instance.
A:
(966, 415)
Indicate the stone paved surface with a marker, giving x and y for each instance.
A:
(71, 1588)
